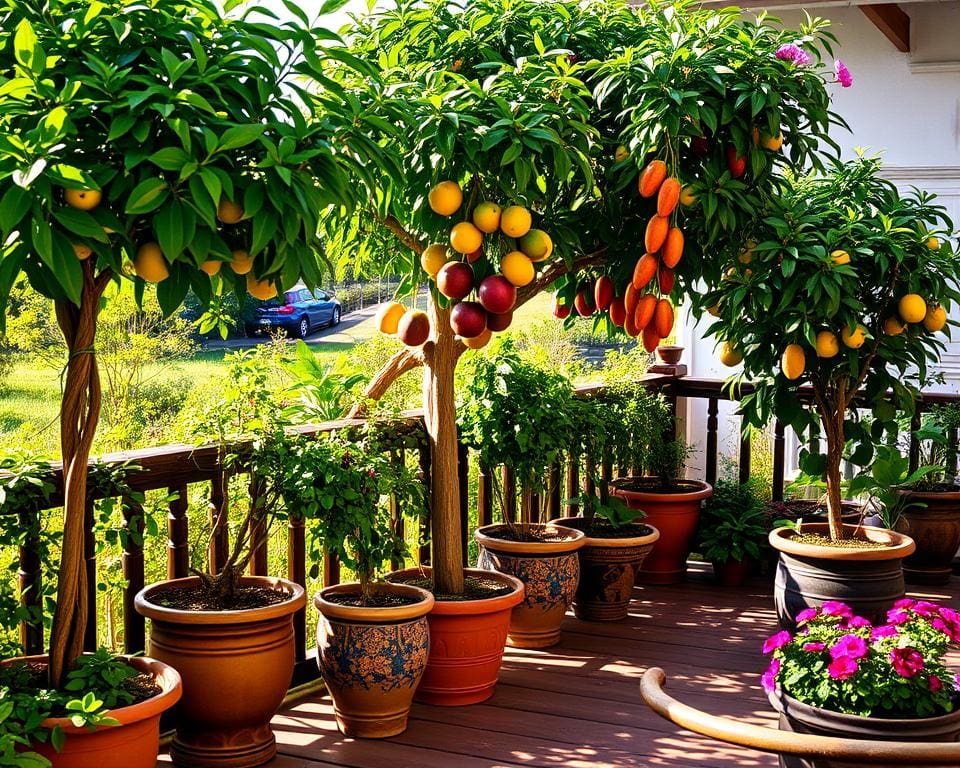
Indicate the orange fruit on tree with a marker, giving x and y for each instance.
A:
(666, 277)
(645, 311)
(241, 263)
(445, 198)
(650, 338)
(687, 196)
(644, 271)
(714, 310)
(663, 318)
(261, 289)
(793, 361)
(933, 243)
(673, 247)
(465, 238)
(855, 338)
(840, 257)
(893, 327)
(478, 342)
(517, 268)
(515, 221)
(827, 344)
(935, 319)
(433, 257)
(652, 177)
(150, 264)
(486, 216)
(82, 199)
(773, 143)
(388, 316)
(912, 308)
(229, 212)
(82, 251)
(729, 356)
(211, 266)
(668, 196)
(657, 229)
(631, 297)
(537, 244)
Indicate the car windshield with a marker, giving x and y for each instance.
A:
(288, 298)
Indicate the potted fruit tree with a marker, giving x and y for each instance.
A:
(841, 307)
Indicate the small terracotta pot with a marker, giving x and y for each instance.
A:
(670, 355)
(676, 515)
(935, 528)
(732, 573)
(371, 659)
(236, 667)
(608, 567)
(549, 571)
(467, 638)
(134, 743)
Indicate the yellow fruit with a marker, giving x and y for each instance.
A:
(82, 199)
(793, 361)
(82, 251)
(229, 212)
(935, 319)
(714, 310)
(388, 316)
(515, 221)
(537, 245)
(773, 143)
(854, 339)
(261, 289)
(840, 257)
(730, 356)
(150, 264)
(912, 308)
(242, 262)
(687, 196)
(893, 327)
(465, 238)
(478, 342)
(433, 257)
(517, 268)
(745, 257)
(211, 267)
(827, 344)
(933, 243)
(621, 154)
(486, 217)
(445, 198)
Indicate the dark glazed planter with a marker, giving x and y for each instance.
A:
(936, 530)
(870, 581)
(676, 515)
(372, 659)
(467, 638)
(549, 571)
(608, 568)
(798, 717)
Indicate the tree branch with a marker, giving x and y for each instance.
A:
(557, 268)
(402, 235)
(403, 361)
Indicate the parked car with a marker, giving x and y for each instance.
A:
(298, 311)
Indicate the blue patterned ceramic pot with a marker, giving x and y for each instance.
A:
(549, 568)
(372, 658)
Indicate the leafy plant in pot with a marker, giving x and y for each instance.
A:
(862, 337)
(732, 531)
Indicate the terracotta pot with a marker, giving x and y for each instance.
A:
(549, 571)
(371, 659)
(936, 530)
(676, 515)
(732, 573)
(669, 355)
(134, 743)
(236, 668)
(608, 568)
(467, 638)
(798, 717)
(868, 580)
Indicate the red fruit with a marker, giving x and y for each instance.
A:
(650, 338)
(603, 293)
(668, 197)
(663, 318)
(472, 257)
(652, 177)
(700, 145)
(413, 328)
(657, 229)
(630, 327)
(673, 247)
(644, 312)
(502, 322)
(497, 294)
(618, 311)
(582, 304)
(455, 279)
(630, 299)
(468, 319)
(666, 279)
(737, 165)
(644, 271)
(561, 311)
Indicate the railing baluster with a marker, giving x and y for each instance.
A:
(425, 524)
(526, 503)
(915, 423)
(554, 500)
(297, 573)
(779, 460)
(573, 482)
(509, 482)
(90, 564)
(713, 408)
(744, 452)
(219, 548)
(30, 582)
(134, 633)
(589, 474)
(258, 528)
(396, 515)
(178, 549)
(463, 476)
(484, 497)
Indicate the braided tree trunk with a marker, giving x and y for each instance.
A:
(80, 411)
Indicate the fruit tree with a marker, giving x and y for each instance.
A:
(844, 288)
(614, 154)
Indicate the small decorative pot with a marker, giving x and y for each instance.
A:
(549, 570)
(669, 355)
(372, 659)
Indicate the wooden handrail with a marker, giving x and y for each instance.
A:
(762, 739)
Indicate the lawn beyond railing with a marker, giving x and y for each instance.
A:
(175, 468)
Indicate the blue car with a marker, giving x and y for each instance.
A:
(298, 311)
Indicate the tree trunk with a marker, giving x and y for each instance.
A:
(440, 418)
(833, 427)
(80, 411)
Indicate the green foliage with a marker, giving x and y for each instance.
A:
(611, 508)
(885, 479)
(937, 439)
(323, 389)
(732, 525)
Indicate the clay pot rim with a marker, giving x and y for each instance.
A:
(479, 606)
(915, 495)
(297, 600)
(783, 703)
(611, 542)
(374, 614)
(166, 677)
(572, 541)
(698, 490)
(899, 545)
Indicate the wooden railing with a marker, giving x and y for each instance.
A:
(174, 469)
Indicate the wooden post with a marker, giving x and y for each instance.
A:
(30, 582)
(779, 460)
(219, 547)
(713, 409)
(297, 573)
(178, 549)
(134, 631)
(90, 563)
(258, 528)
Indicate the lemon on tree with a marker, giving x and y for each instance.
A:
(229, 212)
(840, 257)
(82, 199)
(445, 198)
(517, 268)
(465, 238)
(854, 337)
(793, 362)
(935, 319)
(433, 257)
(486, 217)
(388, 316)
(729, 356)
(912, 308)
(893, 327)
(827, 344)
(261, 289)
(515, 221)
(211, 267)
(537, 244)
(150, 264)
(241, 263)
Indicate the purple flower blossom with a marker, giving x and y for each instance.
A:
(843, 667)
(843, 74)
(794, 54)
(813, 647)
(905, 602)
(805, 615)
(776, 641)
(898, 616)
(836, 608)
(907, 661)
(858, 622)
(852, 646)
(884, 630)
(769, 678)
(936, 684)
(923, 608)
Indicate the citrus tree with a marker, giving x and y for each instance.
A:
(843, 287)
(158, 142)
(506, 146)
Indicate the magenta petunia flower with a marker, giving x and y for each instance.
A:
(858, 622)
(936, 684)
(907, 661)
(843, 74)
(905, 602)
(852, 646)
(884, 630)
(843, 667)
(769, 678)
(806, 614)
(776, 641)
(898, 616)
(813, 647)
(836, 608)
(923, 608)
(794, 54)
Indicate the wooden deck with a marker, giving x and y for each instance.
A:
(577, 705)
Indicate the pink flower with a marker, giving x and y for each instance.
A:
(898, 616)
(936, 685)
(813, 647)
(852, 646)
(857, 622)
(843, 667)
(794, 54)
(907, 661)
(769, 678)
(905, 602)
(884, 630)
(805, 615)
(843, 74)
(776, 641)
(924, 608)
(836, 608)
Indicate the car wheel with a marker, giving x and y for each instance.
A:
(304, 328)
(335, 320)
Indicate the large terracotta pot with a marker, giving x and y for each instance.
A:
(549, 571)
(236, 667)
(371, 658)
(134, 743)
(676, 515)
(868, 580)
(798, 717)
(732, 573)
(608, 569)
(935, 528)
(467, 638)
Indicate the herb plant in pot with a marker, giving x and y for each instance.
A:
(841, 675)
(732, 531)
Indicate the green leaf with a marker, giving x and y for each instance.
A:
(80, 223)
(169, 158)
(239, 136)
(26, 49)
(14, 205)
(147, 196)
(172, 291)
